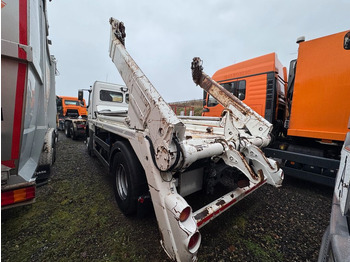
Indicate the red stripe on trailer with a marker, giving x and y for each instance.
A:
(8, 163)
(23, 28)
(217, 212)
(17, 121)
(21, 80)
(251, 189)
(227, 205)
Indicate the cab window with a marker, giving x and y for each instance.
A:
(72, 102)
(212, 101)
(241, 90)
(237, 88)
(111, 96)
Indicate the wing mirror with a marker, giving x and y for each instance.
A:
(80, 95)
(347, 41)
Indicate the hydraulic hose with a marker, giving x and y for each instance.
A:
(153, 154)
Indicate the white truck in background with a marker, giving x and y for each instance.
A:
(104, 99)
(336, 239)
(153, 154)
(28, 101)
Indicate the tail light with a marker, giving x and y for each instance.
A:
(18, 195)
(185, 214)
(194, 242)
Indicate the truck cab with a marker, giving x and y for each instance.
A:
(259, 82)
(108, 98)
(309, 113)
(69, 107)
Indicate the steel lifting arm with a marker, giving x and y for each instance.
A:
(162, 132)
(241, 120)
(245, 131)
(147, 109)
(160, 135)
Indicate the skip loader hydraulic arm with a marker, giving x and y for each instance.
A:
(167, 146)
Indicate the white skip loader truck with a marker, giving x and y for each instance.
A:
(154, 154)
(28, 107)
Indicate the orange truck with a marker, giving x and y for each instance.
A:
(310, 112)
(72, 116)
(255, 82)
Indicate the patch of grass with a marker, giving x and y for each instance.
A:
(264, 248)
(257, 251)
(240, 222)
(70, 221)
(263, 253)
(236, 228)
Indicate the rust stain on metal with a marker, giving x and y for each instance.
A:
(261, 175)
(222, 95)
(243, 183)
(210, 129)
(206, 84)
(220, 203)
(196, 67)
(202, 214)
(251, 172)
(199, 148)
(266, 160)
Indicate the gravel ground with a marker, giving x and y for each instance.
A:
(75, 218)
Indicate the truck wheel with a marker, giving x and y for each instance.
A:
(129, 179)
(67, 129)
(72, 133)
(47, 156)
(47, 159)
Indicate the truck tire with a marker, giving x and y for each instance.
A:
(72, 132)
(67, 129)
(129, 180)
(48, 156)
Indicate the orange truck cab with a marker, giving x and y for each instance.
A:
(72, 115)
(259, 82)
(310, 113)
(320, 99)
(70, 106)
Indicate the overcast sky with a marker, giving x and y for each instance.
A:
(163, 37)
